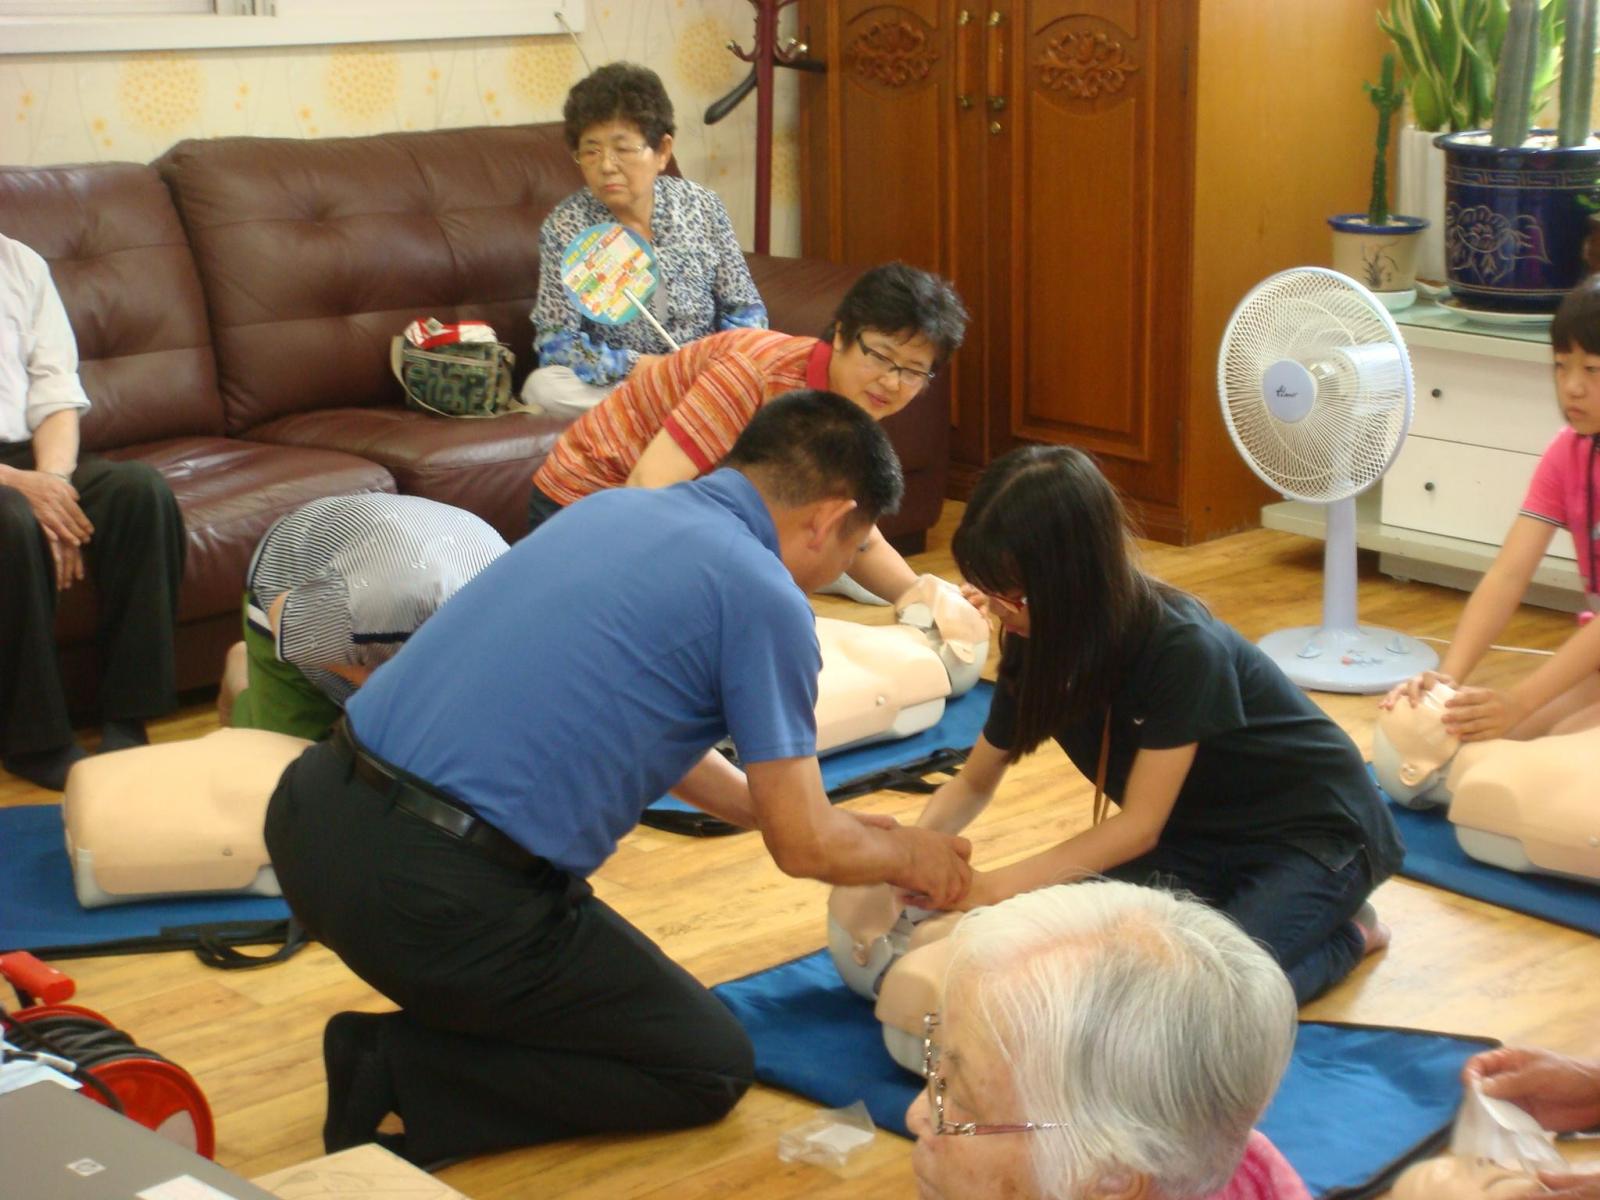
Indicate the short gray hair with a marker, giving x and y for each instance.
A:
(1149, 1023)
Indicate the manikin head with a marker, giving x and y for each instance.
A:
(826, 471)
(1149, 1027)
(1411, 749)
(1453, 1178)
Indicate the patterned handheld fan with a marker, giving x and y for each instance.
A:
(610, 273)
(1316, 392)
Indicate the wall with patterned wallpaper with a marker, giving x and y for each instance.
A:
(105, 107)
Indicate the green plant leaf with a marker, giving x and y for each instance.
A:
(1426, 108)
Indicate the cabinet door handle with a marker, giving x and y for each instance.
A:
(995, 65)
(964, 48)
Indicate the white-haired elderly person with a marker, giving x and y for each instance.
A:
(1103, 1041)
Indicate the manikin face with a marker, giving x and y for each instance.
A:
(880, 372)
(1578, 388)
(620, 167)
(978, 1087)
(1412, 744)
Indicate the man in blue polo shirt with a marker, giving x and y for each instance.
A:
(440, 842)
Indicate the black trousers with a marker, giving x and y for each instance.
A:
(529, 1010)
(135, 563)
(540, 508)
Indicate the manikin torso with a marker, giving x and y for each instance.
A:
(1452, 1178)
(1522, 805)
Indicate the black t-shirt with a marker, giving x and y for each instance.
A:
(1270, 765)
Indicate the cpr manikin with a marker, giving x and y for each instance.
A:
(891, 681)
(175, 817)
(1452, 1178)
(186, 817)
(1523, 805)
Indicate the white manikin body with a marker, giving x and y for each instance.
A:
(881, 682)
(175, 818)
(1526, 806)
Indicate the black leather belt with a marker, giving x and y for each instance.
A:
(413, 796)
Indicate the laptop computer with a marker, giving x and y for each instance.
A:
(58, 1145)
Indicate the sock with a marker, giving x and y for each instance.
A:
(46, 768)
(122, 735)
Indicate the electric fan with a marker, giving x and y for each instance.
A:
(1315, 384)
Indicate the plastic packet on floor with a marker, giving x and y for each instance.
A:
(830, 1138)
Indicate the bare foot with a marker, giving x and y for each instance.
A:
(1375, 934)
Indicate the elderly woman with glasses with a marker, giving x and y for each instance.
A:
(1103, 1041)
(619, 127)
(674, 418)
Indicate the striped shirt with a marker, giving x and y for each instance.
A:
(703, 396)
(362, 573)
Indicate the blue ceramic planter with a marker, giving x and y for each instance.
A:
(1514, 225)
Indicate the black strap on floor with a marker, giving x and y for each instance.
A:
(213, 939)
(908, 777)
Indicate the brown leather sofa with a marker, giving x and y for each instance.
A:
(234, 302)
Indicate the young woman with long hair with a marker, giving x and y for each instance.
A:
(1228, 781)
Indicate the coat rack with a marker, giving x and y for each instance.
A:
(764, 55)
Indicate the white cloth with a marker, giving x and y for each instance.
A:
(559, 392)
(38, 354)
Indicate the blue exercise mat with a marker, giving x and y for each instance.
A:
(1434, 856)
(938, 747)
(39, 911)
(1357, 1104)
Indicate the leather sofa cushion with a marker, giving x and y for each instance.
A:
(315, 253)
(120, 260)
(229, 491)
(485, 466)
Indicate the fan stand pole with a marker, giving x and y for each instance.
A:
(1339, 568)
(1341, 655)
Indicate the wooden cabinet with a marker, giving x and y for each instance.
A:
(1103, 180)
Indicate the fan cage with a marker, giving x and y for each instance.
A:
(1352, 347)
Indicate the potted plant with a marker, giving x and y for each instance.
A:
(1517, 200)
(1377, 247)
(1448, 50)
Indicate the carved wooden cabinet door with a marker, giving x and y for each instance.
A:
(1089, 285)
(893, 144)
(1034, 153)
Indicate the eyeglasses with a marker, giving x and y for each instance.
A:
(623, 156)
(910, 376)
(936, 1085)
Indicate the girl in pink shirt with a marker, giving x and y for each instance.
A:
(1563, 695)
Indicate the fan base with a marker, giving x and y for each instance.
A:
(1363, 661)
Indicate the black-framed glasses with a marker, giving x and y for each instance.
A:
(909, 376)
(623, 156)
(936, 1085)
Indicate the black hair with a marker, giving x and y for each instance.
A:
(807, 446)
(1577, 321)
(1043, 522)
(619, 91)
(896, 298)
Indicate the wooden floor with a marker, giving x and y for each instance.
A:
(721, 908)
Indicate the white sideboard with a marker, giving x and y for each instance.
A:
(1485, 410)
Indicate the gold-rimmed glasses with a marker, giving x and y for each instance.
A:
(623, 156)
(936, 1087)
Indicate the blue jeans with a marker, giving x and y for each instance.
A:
(1296, 907)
